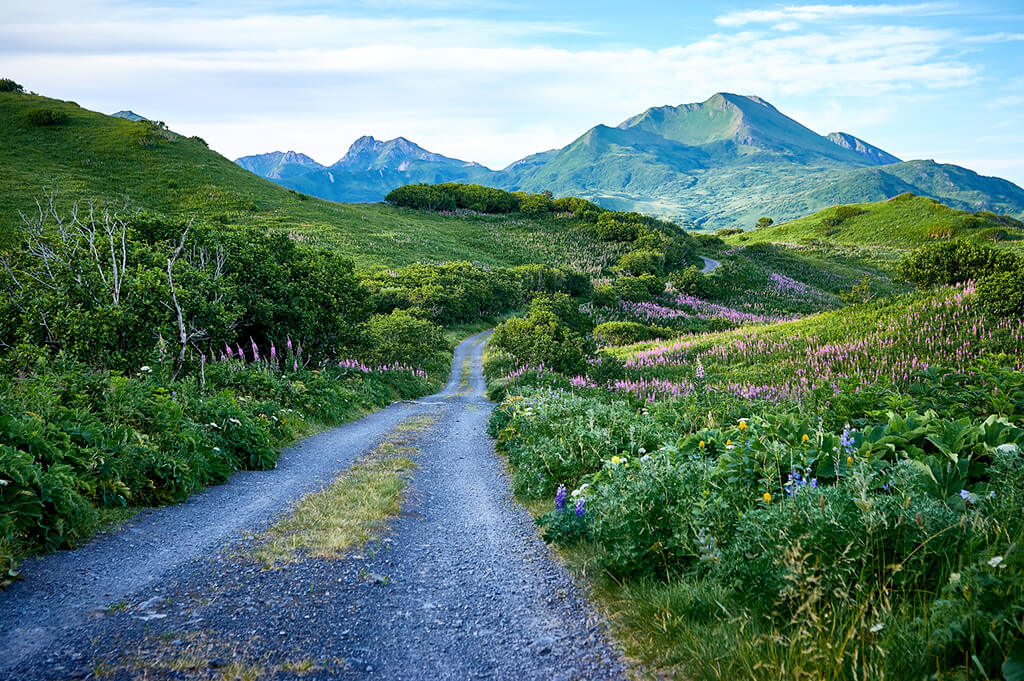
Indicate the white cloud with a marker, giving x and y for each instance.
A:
(817, 13)
(489, 91)
(990, 38)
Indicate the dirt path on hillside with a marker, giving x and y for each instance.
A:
(710, 264)
(460, 587)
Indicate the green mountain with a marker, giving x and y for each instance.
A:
(100, 158)
(904, 221)
(723, 162)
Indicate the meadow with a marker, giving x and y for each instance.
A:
(801, 494)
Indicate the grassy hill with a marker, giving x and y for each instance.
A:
(905, 221)
(93, 156)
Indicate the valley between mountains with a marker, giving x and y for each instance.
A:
(768, 426)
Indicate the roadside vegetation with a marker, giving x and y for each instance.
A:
(827, 495)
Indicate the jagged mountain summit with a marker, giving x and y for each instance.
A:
(278, 165)
(723, 162)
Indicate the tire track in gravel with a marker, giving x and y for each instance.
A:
(460, 587)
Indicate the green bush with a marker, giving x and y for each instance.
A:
(403, 337)
(1002, 293)
(691, 281)
(8, 85)
(627, 333)
(954, 262)
(638, 288)
(42, 117)
(644, 261)
(554, 334)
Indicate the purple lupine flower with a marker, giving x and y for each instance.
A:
(846, 439)
(289, 344)
(255, 350)
(273, 353)
(581, 506)
(699, 372)
(560, 499)
(295, 365)
(230, 352)
(241, 355)
(964, 494)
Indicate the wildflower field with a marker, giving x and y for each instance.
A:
(832, 496)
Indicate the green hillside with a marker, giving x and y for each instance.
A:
(107, 159)
(905, 221)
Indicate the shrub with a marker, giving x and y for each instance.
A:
(641, 512)
(639, 288)
(401, 336)
(1002, 293)
(643, 261)
(627, 333)
(43, 117)
(8, 85)
(553, 334)
(691, 281)
(954, 262)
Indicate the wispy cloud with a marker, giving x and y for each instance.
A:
(819, 13)
(989, 38)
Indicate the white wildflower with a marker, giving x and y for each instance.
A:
(146, 369)
(996, 561)
(876, 628)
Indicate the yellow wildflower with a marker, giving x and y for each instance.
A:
(849, 460)
(767, 496)
(616, 460)
(701, 445)
(728, 442)
(806, 438)
(743, 426)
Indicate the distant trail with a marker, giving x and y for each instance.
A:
(462, 587)
(710, 265)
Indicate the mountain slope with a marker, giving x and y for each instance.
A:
(857, 145)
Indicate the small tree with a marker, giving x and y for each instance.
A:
(764, 222)
(8, 85)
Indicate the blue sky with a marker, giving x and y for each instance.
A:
(495, 81)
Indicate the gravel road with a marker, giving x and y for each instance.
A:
(710, 264)
(460, 587)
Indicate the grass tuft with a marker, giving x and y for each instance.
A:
(351, 510)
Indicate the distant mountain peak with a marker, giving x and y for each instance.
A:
(277, 165)
(370, 153)
(859, 146)
(130, 115)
